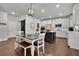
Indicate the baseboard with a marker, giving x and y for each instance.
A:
(11, 37)
(74, 48)
(3, 39)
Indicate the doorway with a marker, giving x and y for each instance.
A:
(23, 26)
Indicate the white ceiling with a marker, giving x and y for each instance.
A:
(50, 9)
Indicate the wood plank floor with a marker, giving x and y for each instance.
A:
(57, 48)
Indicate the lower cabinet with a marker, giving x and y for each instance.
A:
(62, 34)
(73, 40)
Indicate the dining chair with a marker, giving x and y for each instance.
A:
(40, 43)
(22, 44)
(19, 34)
(25, 46)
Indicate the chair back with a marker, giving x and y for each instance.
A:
(41, 39)
(20, 34)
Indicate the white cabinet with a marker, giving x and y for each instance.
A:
(73, 40)
(3, 17)
(62, 34)
(77, 15)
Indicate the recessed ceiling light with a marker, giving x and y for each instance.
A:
(42, 10)
(60, 14)
(50, 16)
(42, 18)
(57, 5)
(13, 13)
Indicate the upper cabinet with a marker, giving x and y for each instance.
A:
(61, 22)
(71, 21)
(3, 18)
(76, 14)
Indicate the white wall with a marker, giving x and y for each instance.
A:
(3, 27)
(12, 26)
(43, 23)
(9, 28)
(3, 32)
(30, 21)
(47, 24)
(31, 25)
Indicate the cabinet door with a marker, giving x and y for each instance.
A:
(62, 34)
(73, 40)
(77, 15)
(3, 17)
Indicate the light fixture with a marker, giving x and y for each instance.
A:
(57, 5)
(13, 13)
(60, 14)
(50, 16)
(42, 18)
(30, 10)
(42, 10)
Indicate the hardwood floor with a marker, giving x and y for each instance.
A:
(57, 48)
